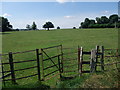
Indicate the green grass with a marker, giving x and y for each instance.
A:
(30, 40)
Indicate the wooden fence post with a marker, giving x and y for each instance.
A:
(97, 50)
(92, 61)
(38, 64)
(102, 58)
(12, 68)
(81, 60)
(59, 66)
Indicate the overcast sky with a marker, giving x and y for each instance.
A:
(61, 13)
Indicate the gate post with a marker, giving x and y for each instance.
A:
(78, 59)
(97, 50)
(12, 67)
(81, 60)
(93, 61)
(38, 64)
(102, 58)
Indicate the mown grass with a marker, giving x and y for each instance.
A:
(29, 40)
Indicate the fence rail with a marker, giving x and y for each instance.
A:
(97, 56)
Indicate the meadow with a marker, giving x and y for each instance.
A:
(18, 41)
(87, 38)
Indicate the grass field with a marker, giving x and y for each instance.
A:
(30, 40)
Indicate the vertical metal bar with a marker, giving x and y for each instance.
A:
(12, 68)
(38, 64)
(42, 65)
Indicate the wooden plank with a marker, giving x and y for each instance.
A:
(85, 71)
(87, 53)
(93, 61)
(12, 68)
(86, 62)
(97, 50)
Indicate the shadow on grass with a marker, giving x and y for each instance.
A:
(4, 33)
(32, 86)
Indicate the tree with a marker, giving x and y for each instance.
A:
(104, 20)
(58, 27)
(5, 25)
(34, 26)
(28, 27)
(74, 27)
(113, 18)
(98, 20)
(48, 25)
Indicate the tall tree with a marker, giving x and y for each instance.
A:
(34, 26)
(5, 25)
(48, 25)
(104, 20)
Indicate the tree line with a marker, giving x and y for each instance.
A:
(112, 21)
(102, 22)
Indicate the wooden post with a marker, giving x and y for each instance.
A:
(92, 62)
(12, 68)
(102, 58)
(59, 66)
(62, 57)
(38, 64)
(42, 64)
(97, 50)
(81, 60)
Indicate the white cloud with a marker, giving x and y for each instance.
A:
(68, 16)
(6, 15)
(61, 1)
(105, 12)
